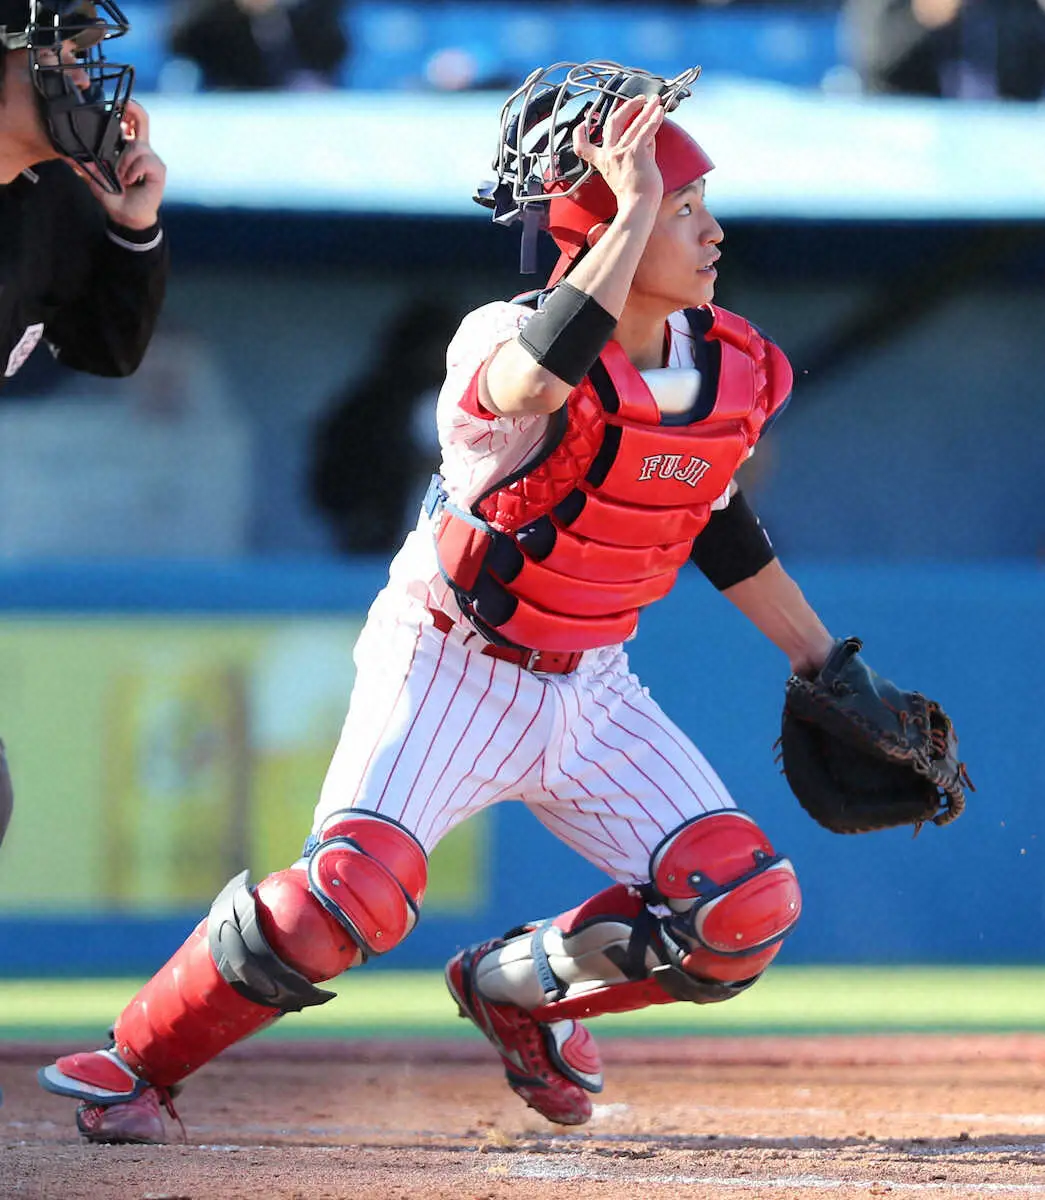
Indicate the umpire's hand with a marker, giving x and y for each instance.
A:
(140, 170)
(7, 793)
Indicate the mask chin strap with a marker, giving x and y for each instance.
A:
(533, 219)
(507, 211)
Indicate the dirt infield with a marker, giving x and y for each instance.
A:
(723, 1118)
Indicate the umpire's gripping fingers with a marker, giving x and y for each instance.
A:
(7, 793)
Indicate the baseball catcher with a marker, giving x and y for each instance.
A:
(590, 435)
(862, 754)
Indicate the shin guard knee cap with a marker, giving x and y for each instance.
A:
(733, 897)
(370, 874)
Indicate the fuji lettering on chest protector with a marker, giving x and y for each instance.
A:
(689, 470)
(675, 391)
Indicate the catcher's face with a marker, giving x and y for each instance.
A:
(677, 269)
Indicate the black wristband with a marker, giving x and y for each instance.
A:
(567, 335)
(732, 546)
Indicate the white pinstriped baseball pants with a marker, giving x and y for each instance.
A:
(436, 732)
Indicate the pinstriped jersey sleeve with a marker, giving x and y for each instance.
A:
(479, 448)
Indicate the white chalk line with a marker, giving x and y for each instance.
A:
(560, 1172)
(978, 1148)
(1016, 1120)
(1031, 1120)
(556, 1170)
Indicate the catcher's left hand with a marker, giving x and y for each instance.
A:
(861, 754)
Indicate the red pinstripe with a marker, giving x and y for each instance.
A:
(518, 743)
(575, 803)
(391, 714)
(638, 770)
(435, 735)
(413, 723)
(612, 844)
(464, 733)
(616, 784)
(546, 815)
(668, 731)
(656, 749)
(512, 789)
(479, 754)
(586, 790)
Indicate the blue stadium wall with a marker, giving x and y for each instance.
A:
(973, 892)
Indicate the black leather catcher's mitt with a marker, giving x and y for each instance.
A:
(861, 754)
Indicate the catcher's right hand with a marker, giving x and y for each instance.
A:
(861, 754)
(7, 793)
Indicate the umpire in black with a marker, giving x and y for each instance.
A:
(83, 262)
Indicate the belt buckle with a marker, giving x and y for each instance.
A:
(531, 660)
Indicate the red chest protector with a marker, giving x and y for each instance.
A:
(564, 554)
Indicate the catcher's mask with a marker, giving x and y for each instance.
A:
(82, 101)
(540, 179)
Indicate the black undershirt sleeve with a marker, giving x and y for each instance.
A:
(105, 327)
(733, 546)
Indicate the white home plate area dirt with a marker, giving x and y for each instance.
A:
(929, 1116)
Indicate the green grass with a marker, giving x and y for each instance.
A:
(415, 1003)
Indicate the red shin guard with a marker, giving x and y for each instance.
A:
(185, 1016)
(188, 1012)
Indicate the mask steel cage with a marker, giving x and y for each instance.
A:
(535, 158)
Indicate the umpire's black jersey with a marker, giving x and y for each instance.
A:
(92, 290)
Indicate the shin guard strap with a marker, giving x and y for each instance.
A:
(665, 985)
(546, 977)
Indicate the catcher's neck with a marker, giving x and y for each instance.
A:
(640, 333)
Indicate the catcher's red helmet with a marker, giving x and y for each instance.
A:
(571, 218)
(540, 179)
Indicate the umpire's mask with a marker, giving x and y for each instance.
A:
(81, 96)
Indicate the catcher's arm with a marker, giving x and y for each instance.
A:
(736, 555)
(774, 604)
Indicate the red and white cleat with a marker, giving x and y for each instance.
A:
(552, 1066)
(115, 1104)
(138, 1121)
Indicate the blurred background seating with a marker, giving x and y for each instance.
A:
(415, 44)
(970, 49)
(955, 49)
(256, 45)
